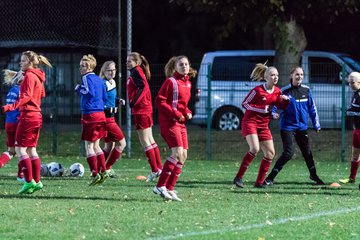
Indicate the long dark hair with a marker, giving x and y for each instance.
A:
(142, 62)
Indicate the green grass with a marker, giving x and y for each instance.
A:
(124, 208)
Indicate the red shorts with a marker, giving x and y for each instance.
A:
(143, 121)
(93, 117)
(114, 133)
(27, 133)
(356, 138)
(10, 129)
(93, 131)
(263, 133)
(174, 134)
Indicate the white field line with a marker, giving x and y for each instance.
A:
(259, 225)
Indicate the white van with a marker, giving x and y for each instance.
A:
(228, 73)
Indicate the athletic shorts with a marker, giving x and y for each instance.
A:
(356, 138)
(27, 133)
(174, 134)
(94, 117)
(114, 133)
(93, 131)
(10, 129)
(263, 133)
(143, 121)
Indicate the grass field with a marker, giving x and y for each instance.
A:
(125, 208)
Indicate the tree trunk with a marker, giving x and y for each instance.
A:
(290, 43)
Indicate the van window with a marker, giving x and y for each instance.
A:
(354, 64)
(236, 68)
(323, 70)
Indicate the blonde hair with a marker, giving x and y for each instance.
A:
(104, 67)
(355, 75)
(90, 60)
(192, 72)
(36, 59)
(259, 72)
(142, 62)
(171, 64)
(12, 77)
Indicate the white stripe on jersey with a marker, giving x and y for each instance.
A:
(248, 107)
(175, 93)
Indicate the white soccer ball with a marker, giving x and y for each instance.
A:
(77, 169)
(44, 171)
(55, 169)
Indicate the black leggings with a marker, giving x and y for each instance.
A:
(302, 140)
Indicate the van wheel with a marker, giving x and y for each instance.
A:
(228, 119)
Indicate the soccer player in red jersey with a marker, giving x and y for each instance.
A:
(255, 123)
(32, 90)
(172, 102)
(139, 95)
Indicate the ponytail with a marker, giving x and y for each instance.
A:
(142, 62)
(12, 77)
(145, 67)
(258, 73)
(36, 59)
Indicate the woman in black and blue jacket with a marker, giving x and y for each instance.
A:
(294, 123)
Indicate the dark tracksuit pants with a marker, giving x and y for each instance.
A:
(302, 140)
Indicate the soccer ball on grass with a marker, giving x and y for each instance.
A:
(44, 171)
(77, 170)
(55, 169)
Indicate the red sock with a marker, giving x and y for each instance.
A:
(166, 172)
(4, 158)
(20, 172)
(245, 164)
(354, 168)
(106, 153)
(92, 161)
(174, 176)
(36, 167)
(98, 164)
(113, 157)
(25, 164)
(263, 169)
(101, 158)
(150, 155)
(157, 155)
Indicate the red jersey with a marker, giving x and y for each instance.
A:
(259, 103)
(31, 92)
(173, 98)
(138, 92)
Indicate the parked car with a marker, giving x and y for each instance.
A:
(228, 74)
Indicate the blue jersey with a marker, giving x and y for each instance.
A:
(111, 93)
(92, 93)
(295, 116)
(11, 97)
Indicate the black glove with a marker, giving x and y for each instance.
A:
(120, 101)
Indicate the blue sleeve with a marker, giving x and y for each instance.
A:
(83, 88)
(273, 111)
(105, 96)
(314, 116)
